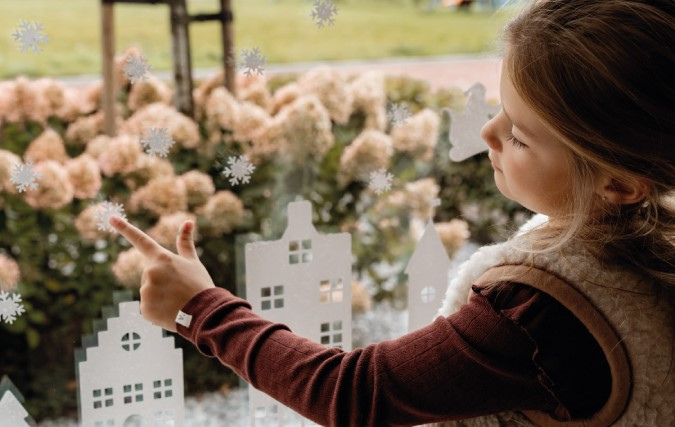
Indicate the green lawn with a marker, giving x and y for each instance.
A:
(282, 30)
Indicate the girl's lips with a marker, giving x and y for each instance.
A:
(496, 168)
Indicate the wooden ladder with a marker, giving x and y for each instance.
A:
(182, 61)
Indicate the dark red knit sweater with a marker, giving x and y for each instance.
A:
(512, 348)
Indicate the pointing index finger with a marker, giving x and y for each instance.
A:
(141, 241)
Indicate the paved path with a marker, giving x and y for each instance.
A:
(447, 71)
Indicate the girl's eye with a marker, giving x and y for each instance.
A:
(516, 142)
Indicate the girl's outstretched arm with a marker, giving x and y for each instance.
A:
(472, 363)
(481, 360)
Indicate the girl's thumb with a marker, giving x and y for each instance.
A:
(184, 241)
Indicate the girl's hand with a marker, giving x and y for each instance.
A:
(170, 280)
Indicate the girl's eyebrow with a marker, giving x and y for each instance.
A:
(523, 129)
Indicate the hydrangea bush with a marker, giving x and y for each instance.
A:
(317, 136)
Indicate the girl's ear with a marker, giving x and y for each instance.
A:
(622, 192)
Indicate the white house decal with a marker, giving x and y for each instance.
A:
(12, 412)
(427, 273)
(304, 281)
(130, 374)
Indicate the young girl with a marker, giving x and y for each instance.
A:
(570, 320)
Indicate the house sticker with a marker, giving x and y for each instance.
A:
(12, 412)
(130, 374)
(427, 273)
(304, 281)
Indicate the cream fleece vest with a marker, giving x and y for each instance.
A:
(619, 308)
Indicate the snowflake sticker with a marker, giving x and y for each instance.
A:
(157, 142)
(380, 181)
(25, 176)
(252, 61)
(136, 68)
(105, 211)
(239, 170)
(398, 114)
(29, 36)
(10, 306)
(324, 12)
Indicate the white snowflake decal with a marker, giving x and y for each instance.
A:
(398, 114)
(324, 12)
(252, 61)
(29, 36)
(239, 170)
(10, 306)
(380, 181)
(25, 176)
(157, 142)
(136, 68)
(104, 213)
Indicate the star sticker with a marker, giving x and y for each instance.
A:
(465, 127)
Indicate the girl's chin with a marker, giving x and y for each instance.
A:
(501, 187)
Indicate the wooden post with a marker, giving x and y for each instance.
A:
(108, 50)
(229, 60)
(182, 62)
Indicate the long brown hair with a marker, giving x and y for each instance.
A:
(600, 74)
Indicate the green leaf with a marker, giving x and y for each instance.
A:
(53, 285)
(33, 338)
(37, 317)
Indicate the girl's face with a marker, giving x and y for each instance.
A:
(531, 165)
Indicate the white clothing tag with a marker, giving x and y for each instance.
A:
(183, 319)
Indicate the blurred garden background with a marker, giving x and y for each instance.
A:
(367, 29)
(315, 135)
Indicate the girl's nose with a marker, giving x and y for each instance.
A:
(490, 135)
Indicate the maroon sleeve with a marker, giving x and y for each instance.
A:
(474, 362)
